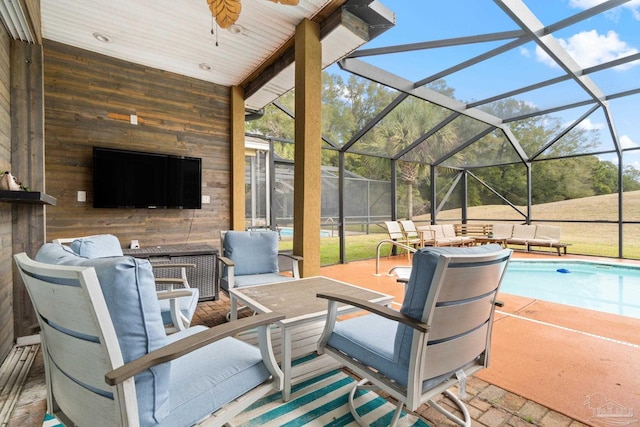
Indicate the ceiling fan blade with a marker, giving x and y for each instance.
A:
(287, 2)
(226, 12)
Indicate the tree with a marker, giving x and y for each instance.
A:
(403, 126)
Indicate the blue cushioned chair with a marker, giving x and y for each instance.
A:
(109, 362)
(251, 258)
(176, 312)
(441, 335)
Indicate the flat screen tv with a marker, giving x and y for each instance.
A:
(133, 179)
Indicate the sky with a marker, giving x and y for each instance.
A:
(610, 35)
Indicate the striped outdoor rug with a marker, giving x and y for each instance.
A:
(322, 401)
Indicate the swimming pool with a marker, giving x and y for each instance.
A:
(288, 232)
(597, 286)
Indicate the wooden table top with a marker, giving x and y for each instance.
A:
(297, 298)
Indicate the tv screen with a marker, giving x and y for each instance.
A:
(133, 179)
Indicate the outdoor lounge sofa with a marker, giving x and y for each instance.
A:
(529, 235)
(445, 235)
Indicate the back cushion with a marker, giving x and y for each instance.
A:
(439, 232)
(424, 265)
(524, 231)
(502, 230)
(129, 290)
(548, 232)
(448, 230)
(102, 245)
(253, 252)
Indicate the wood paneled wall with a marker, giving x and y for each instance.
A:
(6, 241)
(88, 102)
(27, 163)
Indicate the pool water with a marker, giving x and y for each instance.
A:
(288, 232)
(603, 287)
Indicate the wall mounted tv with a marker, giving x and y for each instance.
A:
(133, 179)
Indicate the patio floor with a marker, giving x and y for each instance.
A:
(547, 360)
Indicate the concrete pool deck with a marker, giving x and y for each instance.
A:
(571, 360)
(552, 365)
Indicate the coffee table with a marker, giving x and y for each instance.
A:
(486, 239)
(305, 317)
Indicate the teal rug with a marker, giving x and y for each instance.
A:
(321, 401)
(51, 421)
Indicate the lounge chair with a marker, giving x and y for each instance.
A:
(177, 313)
(109, 362)
(547, 236)
(396, 233)
(251, 258)
(416, 238)
(440, 336)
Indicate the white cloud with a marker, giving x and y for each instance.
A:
(587, 124)
(525, 52)
(584, 4)
(633, 6)
(589, 48)
(626, 142)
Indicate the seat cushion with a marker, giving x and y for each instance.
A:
(99, 246)
(254, 279)
(208, 378)
(354, 337)
(371, 340)
(129, 291)
(253, 252)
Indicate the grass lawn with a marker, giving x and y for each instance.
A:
(585, 238)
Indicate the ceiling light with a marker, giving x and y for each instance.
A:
(101, 37)
(205, 67)
(236, 29)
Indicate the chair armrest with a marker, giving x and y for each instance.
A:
(377, 309)
(293, 257)
(173, 294)
(226, 261)
(295, 260)
(187, 345)
(170, 281)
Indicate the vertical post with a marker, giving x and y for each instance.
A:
(529, 196)
(341, 206)
(465, 196)
(432, 170)
(273, 220)
(308, 144)
(620, 205)
(237, 159)
(394, 200)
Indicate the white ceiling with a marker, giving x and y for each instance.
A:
(175, 35)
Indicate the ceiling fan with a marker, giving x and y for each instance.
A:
(226, 12)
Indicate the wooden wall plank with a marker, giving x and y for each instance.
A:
(6, 217)
(89, 98)
(27, 163)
